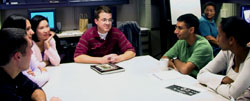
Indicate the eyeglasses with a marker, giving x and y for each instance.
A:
(106, 20)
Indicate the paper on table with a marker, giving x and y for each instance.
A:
(168, 75)
(174, 77)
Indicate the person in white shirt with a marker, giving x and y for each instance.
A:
(234, 58)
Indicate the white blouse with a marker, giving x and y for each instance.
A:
(51, 54)
(224, 60)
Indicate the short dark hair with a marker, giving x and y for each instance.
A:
(15, 21)
(99, 9)
(209, 4)
(236, 27)
(190, 20)
(34, 23)
(12, 40)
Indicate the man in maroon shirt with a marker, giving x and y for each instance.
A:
(103, 43)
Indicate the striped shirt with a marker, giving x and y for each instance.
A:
(91, 44)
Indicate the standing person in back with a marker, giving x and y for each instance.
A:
(234, 58)
(191, 52)
(15, 58)
(45, 46)
(38, 75)
(208, 27)
(103, 43)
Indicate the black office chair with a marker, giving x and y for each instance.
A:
(59, 47)
(133, 33)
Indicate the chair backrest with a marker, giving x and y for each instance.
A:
(133, 33)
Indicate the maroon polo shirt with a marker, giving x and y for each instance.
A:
(91, 44)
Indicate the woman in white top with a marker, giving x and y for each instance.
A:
(44, 48)
(234, 34)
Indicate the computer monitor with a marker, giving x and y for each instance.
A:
(245, 13)
(48, 13)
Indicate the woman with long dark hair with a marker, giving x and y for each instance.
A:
(234, 58)
(44, 48)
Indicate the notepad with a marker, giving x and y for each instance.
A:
(107, 68)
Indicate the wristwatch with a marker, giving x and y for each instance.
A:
(174, 58)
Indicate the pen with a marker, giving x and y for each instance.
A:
(157, 76)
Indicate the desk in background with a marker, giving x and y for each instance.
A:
(77, 33)
(68, 41)
(70, 33)
(78, 82)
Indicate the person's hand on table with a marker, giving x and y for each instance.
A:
(42, 69)
(111, 58)
(30, 72)
(227, 80)
(115, 59)
(171, 65)
(107, 58)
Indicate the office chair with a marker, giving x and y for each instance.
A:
(133, 33)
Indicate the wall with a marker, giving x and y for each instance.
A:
(144, 13)
(69, 16)
(155, 29)
(180, 7)
(6, 13)
(227, 10)
(136, 10)
(0, 18)
(141, 11)
(127, 12)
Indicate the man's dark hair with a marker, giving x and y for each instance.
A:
(209, 4)
(34, 23)
(15, 21)
(190, 20)
(12, 40)
(99, 9)
(236, 27)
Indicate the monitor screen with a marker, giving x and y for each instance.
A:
(245, 13)
(48, 13)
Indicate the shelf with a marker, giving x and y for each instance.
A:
(23, 6)
(98, 2)
(68, 3)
